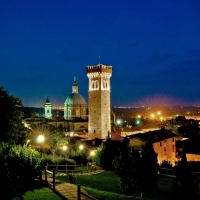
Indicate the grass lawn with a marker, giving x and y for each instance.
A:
(42, 193)
(108, 184)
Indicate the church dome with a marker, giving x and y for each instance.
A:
(74, 98)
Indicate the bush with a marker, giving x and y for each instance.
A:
(20, 165)
(78, 156)
(106, 153)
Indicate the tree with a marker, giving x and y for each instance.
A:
(56, 141)
(185, 184)
(172, 126)
(126, 167)
(148, 168)
(10, 117)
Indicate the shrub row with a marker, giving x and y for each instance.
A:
(19, 167)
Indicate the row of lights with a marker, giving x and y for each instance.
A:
(81, 147)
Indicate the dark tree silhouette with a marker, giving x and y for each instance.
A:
(185, 184)
(148, 168)
(126, 167)
(10, 117)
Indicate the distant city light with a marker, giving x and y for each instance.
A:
(137, 122)
(152, 115)
(81, 147)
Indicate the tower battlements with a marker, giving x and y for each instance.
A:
(99, 69)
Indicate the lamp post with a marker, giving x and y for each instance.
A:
(64, 149)
(40, 140)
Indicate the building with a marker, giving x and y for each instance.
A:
(99, 123)
(75, 105)
(48, 109)
(164, 144)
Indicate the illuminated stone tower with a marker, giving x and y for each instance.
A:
(48, 109)
(99, 123)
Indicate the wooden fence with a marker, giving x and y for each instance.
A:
(172, 172)
(71, 168)
(55, 169)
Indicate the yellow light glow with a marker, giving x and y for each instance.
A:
(81, 147)
(138, 116)
(159, 113)
(40, 138)
(92, 153)
(152, 115)
(64, 148)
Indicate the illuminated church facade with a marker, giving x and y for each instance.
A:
(99, 112)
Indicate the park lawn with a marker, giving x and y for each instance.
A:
(108, 182)
(42, 193)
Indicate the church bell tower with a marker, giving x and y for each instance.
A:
(48, 109)
(99, 122)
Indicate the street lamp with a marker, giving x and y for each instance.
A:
(40, 140)
(119, 122)
(81, 147)
(64, 149)
(92, 153)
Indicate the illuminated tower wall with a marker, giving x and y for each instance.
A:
(99, 122)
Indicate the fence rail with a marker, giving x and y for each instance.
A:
(163, 170)
(72, 168)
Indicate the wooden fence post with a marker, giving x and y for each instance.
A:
(78, 192)
(46, 174)
(56, 167)
(54, 179)
(87, 167)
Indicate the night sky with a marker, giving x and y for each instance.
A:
(153, 46)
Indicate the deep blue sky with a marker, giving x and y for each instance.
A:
(153, 46)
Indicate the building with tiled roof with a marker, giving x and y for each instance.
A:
(164, 143)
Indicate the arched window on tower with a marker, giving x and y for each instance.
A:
(92, 84)
(103, 84)
(97, 84)
(106, 84)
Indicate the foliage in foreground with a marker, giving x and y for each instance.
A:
(103, 195)
(10, 117)
(41, 194)
(106, 153)
(136, 170)
(186, 183)
(126, 167)
(19, 165)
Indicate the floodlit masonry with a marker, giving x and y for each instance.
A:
(99, 124)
